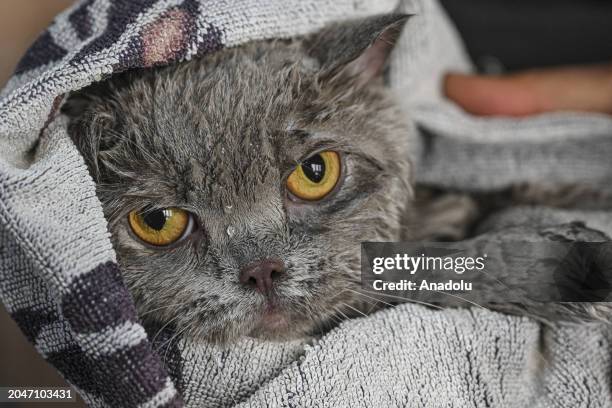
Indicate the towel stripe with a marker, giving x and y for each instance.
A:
(113, 339)
(32, 320)
(163, 398)
(128, 378)
(98, 299)
(43, 51)
(81, 20)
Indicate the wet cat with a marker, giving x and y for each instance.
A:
(238, 186)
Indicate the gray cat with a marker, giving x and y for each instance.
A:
(239, 186)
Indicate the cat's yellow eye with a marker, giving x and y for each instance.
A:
(161, 227)
(315, 177)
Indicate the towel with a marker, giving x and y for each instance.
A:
(60, 281)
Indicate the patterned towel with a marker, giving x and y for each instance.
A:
(60, 282)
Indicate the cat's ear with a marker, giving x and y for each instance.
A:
(358, 48)
(90, 126)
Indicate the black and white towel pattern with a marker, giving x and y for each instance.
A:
(60, 282)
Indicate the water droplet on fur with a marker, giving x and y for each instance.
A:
(230, 231)
(223, 150)
(229, 208)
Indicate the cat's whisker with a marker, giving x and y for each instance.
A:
(315, 318)
(163, 327)
(459, 297)
(403, 299)
(358, 293)
(162, 307)
(496, 279)
(355, 309)
(338, 310)
(173, 338)
(431, 304)
(373, 304)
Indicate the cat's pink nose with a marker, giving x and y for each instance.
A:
(261, 275)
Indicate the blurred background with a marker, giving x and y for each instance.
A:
(20, 23)
(501, 35)
(521, 34)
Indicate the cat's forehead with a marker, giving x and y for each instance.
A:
(215, 163)
(228, 128)
(237, 101)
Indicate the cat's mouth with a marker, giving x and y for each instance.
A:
(273, 319)
(278, 321)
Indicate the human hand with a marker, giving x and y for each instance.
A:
(586, 89)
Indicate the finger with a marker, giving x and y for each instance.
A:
(485, 96)
(564, 89)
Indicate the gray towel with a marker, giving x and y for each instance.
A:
(409, 356)
(60, 281)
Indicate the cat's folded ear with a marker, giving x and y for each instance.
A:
(91, 122)
(356, 49)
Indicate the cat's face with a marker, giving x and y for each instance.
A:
(239, 187)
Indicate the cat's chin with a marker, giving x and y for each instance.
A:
(276, 326)
(273, 321)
